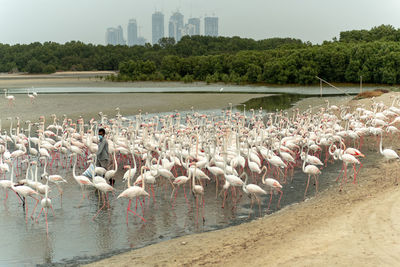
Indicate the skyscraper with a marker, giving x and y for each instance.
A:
(111, 36)
(157, 20)
(211, 26)
(175, 27)
(193, 27)
(115, 36)
(120, 36)
(132, 32)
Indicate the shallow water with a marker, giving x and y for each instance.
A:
(74, 238)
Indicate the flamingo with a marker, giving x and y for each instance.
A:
(104, 188)
(81, 180)
(57, 179)
(198, 191)
(274, 187)
(46, 204)
(10, 98)
(109, 175)
(31, 97)
(134, 192)
(7, 184)
(24, 191)
(388, 154)
(254, 190)
(310, 170)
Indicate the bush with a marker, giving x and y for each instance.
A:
(49, 69)
(34, 66)
(188, 78)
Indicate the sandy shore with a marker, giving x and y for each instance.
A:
(358, 226)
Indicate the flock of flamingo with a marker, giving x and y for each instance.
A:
(253, 153)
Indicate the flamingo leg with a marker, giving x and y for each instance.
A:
(37, 202)
(308, 183)
(251, 205)
(270, 199)
(202, 213)
(37, 218)
(216, 186)
(104, 204)
(47, 224)
(129, 210)
(340, 174)
(279, 201)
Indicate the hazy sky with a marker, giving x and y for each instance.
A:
(26, 21)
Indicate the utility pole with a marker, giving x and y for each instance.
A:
(322, 80)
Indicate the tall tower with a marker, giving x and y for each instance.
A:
(211, 26)
(157, 20)
(120, 36)
(193, 26)
(111, 36)
(132, 32)
(176, 26)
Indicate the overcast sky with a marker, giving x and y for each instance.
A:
(26, 21)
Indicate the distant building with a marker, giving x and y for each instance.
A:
(132, 32)
(111, 36)
(211, 26)
(115, 36)
(176, 26)
(193, 27)
(157, 20)
(120, 36)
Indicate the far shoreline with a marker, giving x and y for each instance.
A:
(96, 79)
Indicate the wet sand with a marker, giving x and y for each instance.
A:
(357, 226)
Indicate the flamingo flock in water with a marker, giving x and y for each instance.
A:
(238, 153)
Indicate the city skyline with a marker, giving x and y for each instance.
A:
(61, 21)
(177, 28)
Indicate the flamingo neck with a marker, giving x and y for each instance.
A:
(115, 162)
(12, 174)
(73, 167)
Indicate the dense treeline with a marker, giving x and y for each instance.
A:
(377, 62)
(50, 57)
(380, 33)
(374, 54)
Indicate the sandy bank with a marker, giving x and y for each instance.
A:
(358, 226)
(80, 79)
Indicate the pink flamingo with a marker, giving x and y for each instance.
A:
(134, 192)
(275, 187)
(310, 170)
(81, 180)
(254, 190)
